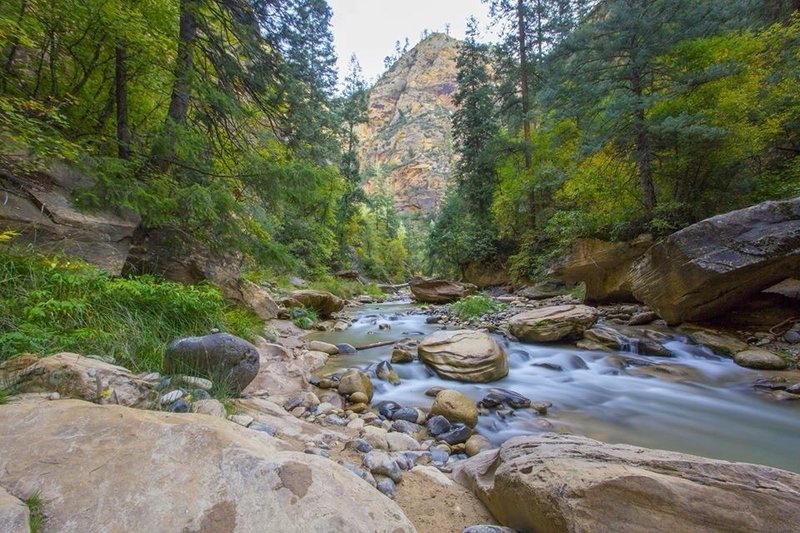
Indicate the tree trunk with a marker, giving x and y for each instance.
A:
(121, 100)
(181, 87)
(642, 148)
(523, 71)
(12, 47)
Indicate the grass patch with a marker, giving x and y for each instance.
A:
(303, 317)
(37, 519)
(49, 305)
(475, 305)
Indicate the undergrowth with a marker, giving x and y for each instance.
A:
(36, 518)
(475, 305)
(50, 304)
(303, 317)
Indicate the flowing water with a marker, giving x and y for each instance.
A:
(712, 411)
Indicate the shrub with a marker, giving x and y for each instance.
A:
(303, 317)
(475, 305)
(49, 305)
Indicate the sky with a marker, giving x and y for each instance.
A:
(369, 28)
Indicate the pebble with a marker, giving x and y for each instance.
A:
(439, 455)
(375, 436)
(387, 407)
(401, 442)
(325, 383)
(433, 391)
(200, 394)
(317, 451)
(194, 381)
(180, 406)
(359, 407)
(438, 425)
(358, 397)
(381, 463)
(792, 336)
(360, 472)
(335, 420)
(403, 426)
(386, 486)
(459, 433)
(324, 408)
(171, 396)
(356, 423)
(408, 414)
(152, 376)
(360, 445)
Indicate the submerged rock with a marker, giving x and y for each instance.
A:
(559, 483)
(464, 355)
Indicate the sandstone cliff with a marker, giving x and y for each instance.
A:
(407, 138)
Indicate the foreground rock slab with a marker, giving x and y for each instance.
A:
(438, 291)
(14, 514)
(562, 483)
(464, 355)
(709, 267)
(115, 469)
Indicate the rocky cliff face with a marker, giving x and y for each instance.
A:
(407, 138)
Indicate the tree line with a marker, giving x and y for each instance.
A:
(216, 120)
(614, 118)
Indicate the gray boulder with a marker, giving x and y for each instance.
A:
(709, 267)
(219, 355)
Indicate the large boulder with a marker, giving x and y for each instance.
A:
(110, 468)
(42, 211)
(323, 302)
(553, 323)
(75, 376)
(464, 355)
(603, 266)
(439, 291)
(561, 483)
(709, 267)
(216, 356)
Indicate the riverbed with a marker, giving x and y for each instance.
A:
(705, 405)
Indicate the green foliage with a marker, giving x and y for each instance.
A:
(50, 305)
(303, 317)
(475, 305)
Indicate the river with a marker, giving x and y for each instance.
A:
(711, 411)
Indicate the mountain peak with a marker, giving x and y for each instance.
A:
(406, 143)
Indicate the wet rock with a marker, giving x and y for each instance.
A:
(385, 372)
(402, 355)
(346, 349)
(719, 342)
(324, 347)
(574, 483)
(498, 397)
(668, 371)
(406, 413)
(707, 268)
(459, 433)
(356, 381)
(382, 464)
(464, 355)
(433, 391)
(626, 339)
(437, 425)
(218, 356)
(551, 324)
(455, 407)
(645, 317)
(437, 291)
(760, 359)
(387, 408)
